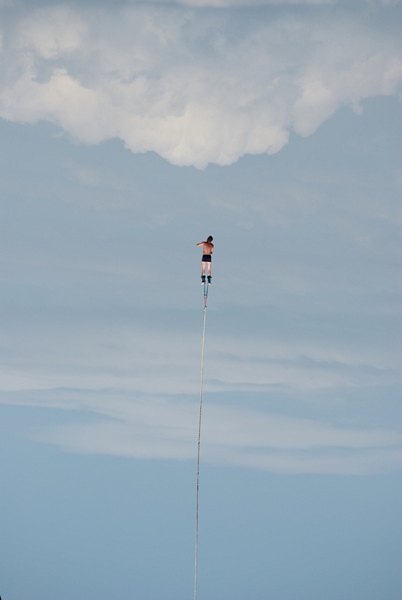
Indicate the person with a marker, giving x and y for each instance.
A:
(207, 249)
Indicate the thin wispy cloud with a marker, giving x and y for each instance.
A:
(191, 85)
(164, 428)
(153, 411)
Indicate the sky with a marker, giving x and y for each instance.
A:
(129, 132)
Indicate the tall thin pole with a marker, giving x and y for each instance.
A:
(198, 455)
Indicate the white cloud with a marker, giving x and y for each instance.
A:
(166, 428)
(51, 33)
(196, 87)
(139, 396)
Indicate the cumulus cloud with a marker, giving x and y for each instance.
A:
(196, 87)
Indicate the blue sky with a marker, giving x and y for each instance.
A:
(128, 133)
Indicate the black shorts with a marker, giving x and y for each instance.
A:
(206, 258)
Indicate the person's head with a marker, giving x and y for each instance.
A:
(210, 238)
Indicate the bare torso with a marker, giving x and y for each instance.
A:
(207, 248)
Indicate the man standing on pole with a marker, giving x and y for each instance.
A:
(207, 249)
